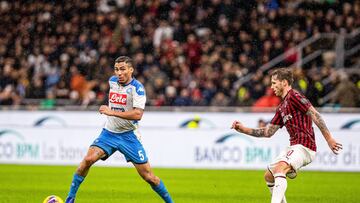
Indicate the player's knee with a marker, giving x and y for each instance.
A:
(89, 160)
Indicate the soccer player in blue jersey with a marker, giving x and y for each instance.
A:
(126, 106)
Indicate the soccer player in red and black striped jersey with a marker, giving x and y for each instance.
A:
(296, 113)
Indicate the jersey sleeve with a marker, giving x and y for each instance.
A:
(139, 97)
(113, 79)
(276, 120)
(301, 102)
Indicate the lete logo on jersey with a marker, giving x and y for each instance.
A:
(117, 98)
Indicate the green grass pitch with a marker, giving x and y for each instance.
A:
(26, 183)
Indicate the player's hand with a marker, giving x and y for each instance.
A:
(334, 146)
(237, 125)
(105, 110)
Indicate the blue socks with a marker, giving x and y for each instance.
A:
(77, 180)
(162, 191)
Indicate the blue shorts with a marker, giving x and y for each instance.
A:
(127, 143)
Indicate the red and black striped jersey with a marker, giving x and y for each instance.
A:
(291, 112)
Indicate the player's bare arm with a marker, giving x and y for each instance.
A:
(134, 114)
(267, 131)
(320, 123)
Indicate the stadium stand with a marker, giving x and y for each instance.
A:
(187, 53)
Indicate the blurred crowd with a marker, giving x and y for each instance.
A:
(186, 53)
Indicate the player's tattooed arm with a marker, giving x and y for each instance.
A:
(258, 132)
(316, 117)
(271, 129)
(318, 120)
(267, 131)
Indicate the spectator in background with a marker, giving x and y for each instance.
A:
(315, 89)
(163, 32)
(346, 94)
(8, 96)
(48, 103)
(170, 94)
(301, 81)
(261, 123)
(82, 88)
(192, 49)
(243, 97)
(220, 99)
(268, 100)
(37, 89)
(256, 86)
(183, 99)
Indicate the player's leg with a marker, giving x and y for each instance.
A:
(270, 173)
(94, 154)
(101, 148)
(270, 182)
(134, 152)
(287, 164)
(269, 179)
(157, 185)
(280, 184)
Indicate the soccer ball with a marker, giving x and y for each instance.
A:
(53, 199)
